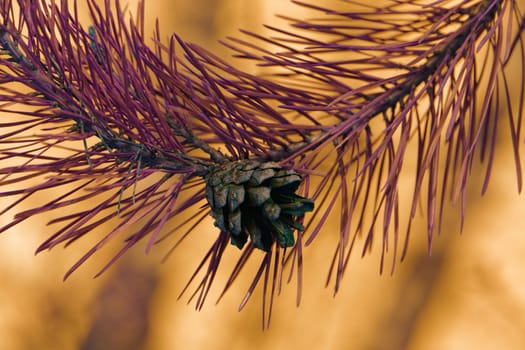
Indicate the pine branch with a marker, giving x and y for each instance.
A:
(151, 134)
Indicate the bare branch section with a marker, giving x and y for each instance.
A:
(159, 131)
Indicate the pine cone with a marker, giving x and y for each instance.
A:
(249, 198)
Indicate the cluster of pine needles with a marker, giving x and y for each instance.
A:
(155, 134)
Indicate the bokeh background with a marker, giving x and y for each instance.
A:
(469, 294)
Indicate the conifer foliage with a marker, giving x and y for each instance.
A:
(158, 134)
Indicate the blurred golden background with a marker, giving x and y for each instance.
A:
(470, 294)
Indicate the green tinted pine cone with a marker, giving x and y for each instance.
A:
(256, 200)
